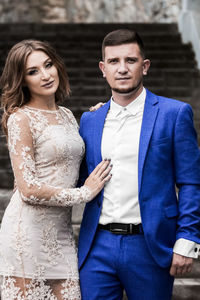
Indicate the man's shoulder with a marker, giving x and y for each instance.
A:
(92, 115)
(170, 103)
(87, 117)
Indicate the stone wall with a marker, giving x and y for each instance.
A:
(89, 11)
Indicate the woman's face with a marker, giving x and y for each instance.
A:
(41, 76)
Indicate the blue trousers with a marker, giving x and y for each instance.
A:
(118, 262)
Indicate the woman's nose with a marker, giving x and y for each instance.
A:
(45, 75)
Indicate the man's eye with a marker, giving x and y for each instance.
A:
(131, 60)
(113, 61)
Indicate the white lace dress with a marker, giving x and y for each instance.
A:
(38, 258)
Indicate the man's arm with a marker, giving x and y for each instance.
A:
(187, 164)
(184, 253)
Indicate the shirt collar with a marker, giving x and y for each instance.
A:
(133, 108)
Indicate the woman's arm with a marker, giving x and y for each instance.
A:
(32, 190)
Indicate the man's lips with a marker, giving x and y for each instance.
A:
(123, 78)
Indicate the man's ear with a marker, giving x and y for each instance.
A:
(102, 68)
(146, 65)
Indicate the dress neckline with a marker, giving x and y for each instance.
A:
(40, 109)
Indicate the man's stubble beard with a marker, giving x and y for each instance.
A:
(128, 90)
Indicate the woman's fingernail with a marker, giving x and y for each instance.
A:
(111, 165)
(105, 159)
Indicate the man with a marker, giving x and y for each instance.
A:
(136, 235)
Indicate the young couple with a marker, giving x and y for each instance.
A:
(136, 235)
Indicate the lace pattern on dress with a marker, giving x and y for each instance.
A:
(72, 196)
(50, 244)
(40, 290)
(13, 133)
(24, 164)
(36, 240)
(28, 167)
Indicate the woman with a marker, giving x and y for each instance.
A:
(37, 250)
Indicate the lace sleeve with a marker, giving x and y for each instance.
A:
(21, 149)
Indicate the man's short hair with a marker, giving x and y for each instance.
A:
(120, 37)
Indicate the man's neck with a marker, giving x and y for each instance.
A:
(125, 99)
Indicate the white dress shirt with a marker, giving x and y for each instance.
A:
(120, 143)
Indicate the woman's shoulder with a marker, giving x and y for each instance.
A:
(17, 115)
(69, 115)
(65, 110)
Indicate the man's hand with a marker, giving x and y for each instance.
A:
(180, 265)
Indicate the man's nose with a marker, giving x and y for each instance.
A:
(122, 68)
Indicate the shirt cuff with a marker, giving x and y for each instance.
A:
(186, 248)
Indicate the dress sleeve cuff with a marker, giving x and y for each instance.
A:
(186, 248)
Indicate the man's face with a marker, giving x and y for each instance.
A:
(124, 68)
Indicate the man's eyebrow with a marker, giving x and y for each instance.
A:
(111, 58)
(132, 57)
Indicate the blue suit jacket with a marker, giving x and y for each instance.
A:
(168, 157)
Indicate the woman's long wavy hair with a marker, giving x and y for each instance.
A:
(14, 93)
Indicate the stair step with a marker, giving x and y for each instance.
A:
(5, 162)
(149, 46)
(3, 150)
(184, 289)
(6, 178)
(97, 27)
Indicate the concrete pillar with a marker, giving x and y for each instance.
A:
(189, 25)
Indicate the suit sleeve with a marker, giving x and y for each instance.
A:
(187, 172)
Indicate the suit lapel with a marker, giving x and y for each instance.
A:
(149, 116)
(98, 130)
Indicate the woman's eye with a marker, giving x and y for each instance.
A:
(49, 64)
(32, 72)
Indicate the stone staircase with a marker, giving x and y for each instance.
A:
(173, 73)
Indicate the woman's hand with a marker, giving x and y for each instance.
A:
(97, 106)
(98, 178)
